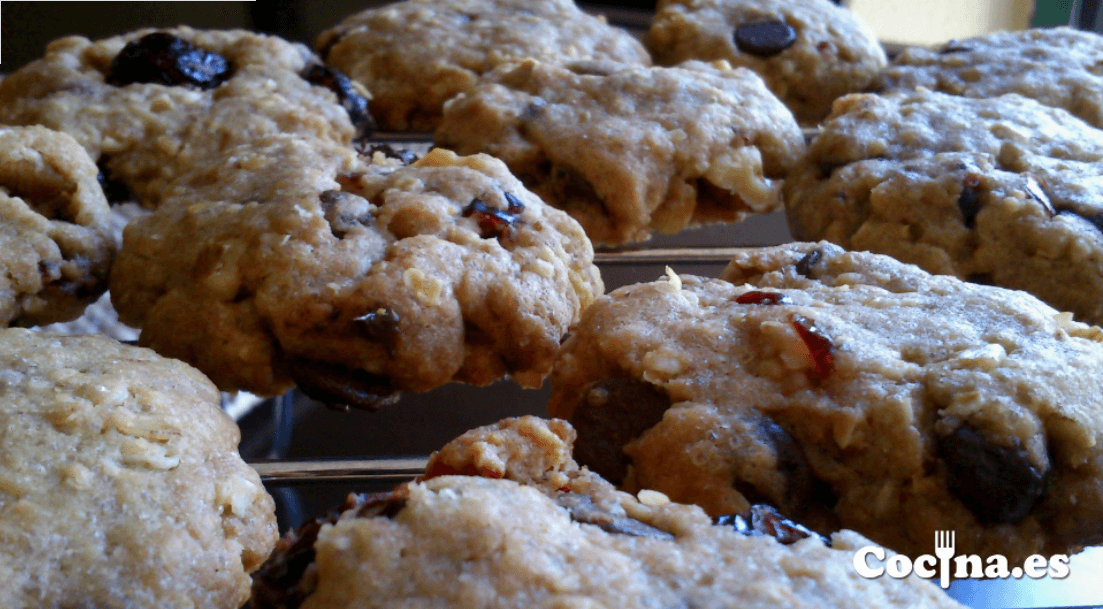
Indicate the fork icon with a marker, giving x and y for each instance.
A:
(944, 550)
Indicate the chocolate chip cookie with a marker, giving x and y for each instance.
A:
(120, 481)
(152, 104)
(809, 52)
(1058, 67)
(56, 242)
(628, 150)
(354, 275)
(847, 390)
(1002, 190)
(534, 530)
(415, 55)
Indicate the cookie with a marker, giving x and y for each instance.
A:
(415, 55)
(809, 52)
(120, 481)
(151, 104)
(847, 390)
(355, 276)
(457, 541)
(1058, 67)
(1003, 191)
(56, 242)
(628, 150)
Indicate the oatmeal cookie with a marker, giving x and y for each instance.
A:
(1059, 67)
(56, 242)
(417, 54)
(151, 104)
(809, 52)
(630, 149)
(458, 541)
(355, 280)
(1003, 191)
(848, 390)
(120, 482)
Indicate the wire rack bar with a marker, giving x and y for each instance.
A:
(298, 471)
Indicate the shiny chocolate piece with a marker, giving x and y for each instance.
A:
(765, 38)
(999, 484)
(793, 467)
(342, 388)
(494, 223)
(353, 101)
(161, 58)
(805, 264)
(765, 520)
(380, 325)
(612, 413)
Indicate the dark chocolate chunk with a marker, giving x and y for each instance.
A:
(345, 211)
(583, 509)
(612, 413)
(765, 38)
(162, 58)
(762, 298)
(791, 465)
(347, 94)
(280, 583)
(819, 345)
(407, 157)
(999, 484)
(494, 223)
(969, 200)
(340, 388)
(380, 326)
(765, 520)
(805, 264)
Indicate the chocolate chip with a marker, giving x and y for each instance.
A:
(493, 222)
(162, 58)
(765, 38)
(280, 583)
(612, 413)
(380, 326)
(583, 510)
(791, 465)
(407, 157)
(354, 102)
(765, 520)
(345, 211)
(999, 484)
(340, 388)
(805, 264)
(969, 201)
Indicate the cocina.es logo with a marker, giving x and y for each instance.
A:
(966, 565)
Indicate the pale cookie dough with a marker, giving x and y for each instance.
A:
(355, 279)
(848, 390)
(538, 532)
(56, 242)
(1059, 67)
(809, 52)
(151, 104)
(417, 54)
(628, 150)
(1002, 191)
(120, 482)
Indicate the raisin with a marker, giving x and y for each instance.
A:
(380, 326)
(969, 200)
(765, 520)
(162, 58)
(353, 101)
(582, 509)
(340, 388)
(493, 222)
(820, 347)
(805, 264)
(765, 38)
(998, 484)
(762, 298)
(613, 413)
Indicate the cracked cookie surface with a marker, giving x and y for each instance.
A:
(628, 150)
(415, 55)
(355, 279)
(809, 52)
(458, 540)
(848, 390)
(120, 481)
(1003, 191)
(1059, 67)
(56, 241)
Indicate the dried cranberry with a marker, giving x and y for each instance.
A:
(765, 38)
(347, 94)
(162, 58)
(762, 298)
(819, 346)
(494, 222)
